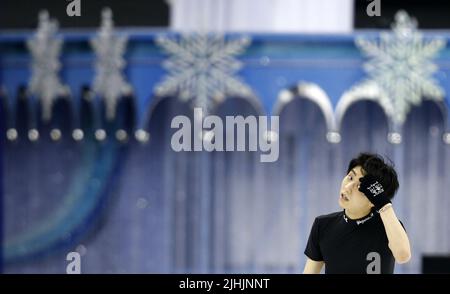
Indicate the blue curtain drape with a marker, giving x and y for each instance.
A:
(158, 211)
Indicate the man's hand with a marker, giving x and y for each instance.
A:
(374, 191)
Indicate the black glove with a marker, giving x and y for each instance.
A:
(374, 191)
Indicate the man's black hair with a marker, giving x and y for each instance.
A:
(375, 165)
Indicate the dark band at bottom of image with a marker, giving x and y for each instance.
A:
(222, 283)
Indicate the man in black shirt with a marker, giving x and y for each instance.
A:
(366, 237)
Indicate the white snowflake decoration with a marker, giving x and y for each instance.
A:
(45, 50)
(201, 68)
(109, 82)
(400, 66)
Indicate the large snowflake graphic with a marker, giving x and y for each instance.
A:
(401, 67)
(109, 81)
(45, 49)
(201, 68)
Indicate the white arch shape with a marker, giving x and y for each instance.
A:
(157, 99)
(365, 91)
(312, 92)
(254, 101)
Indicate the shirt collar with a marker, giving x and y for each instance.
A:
(359, 221)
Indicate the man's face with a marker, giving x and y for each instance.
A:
(350, 197)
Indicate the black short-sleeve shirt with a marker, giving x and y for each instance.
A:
(350, 246)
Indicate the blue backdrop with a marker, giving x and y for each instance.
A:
(141, 207)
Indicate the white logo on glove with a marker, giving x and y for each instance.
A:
(376, 188)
